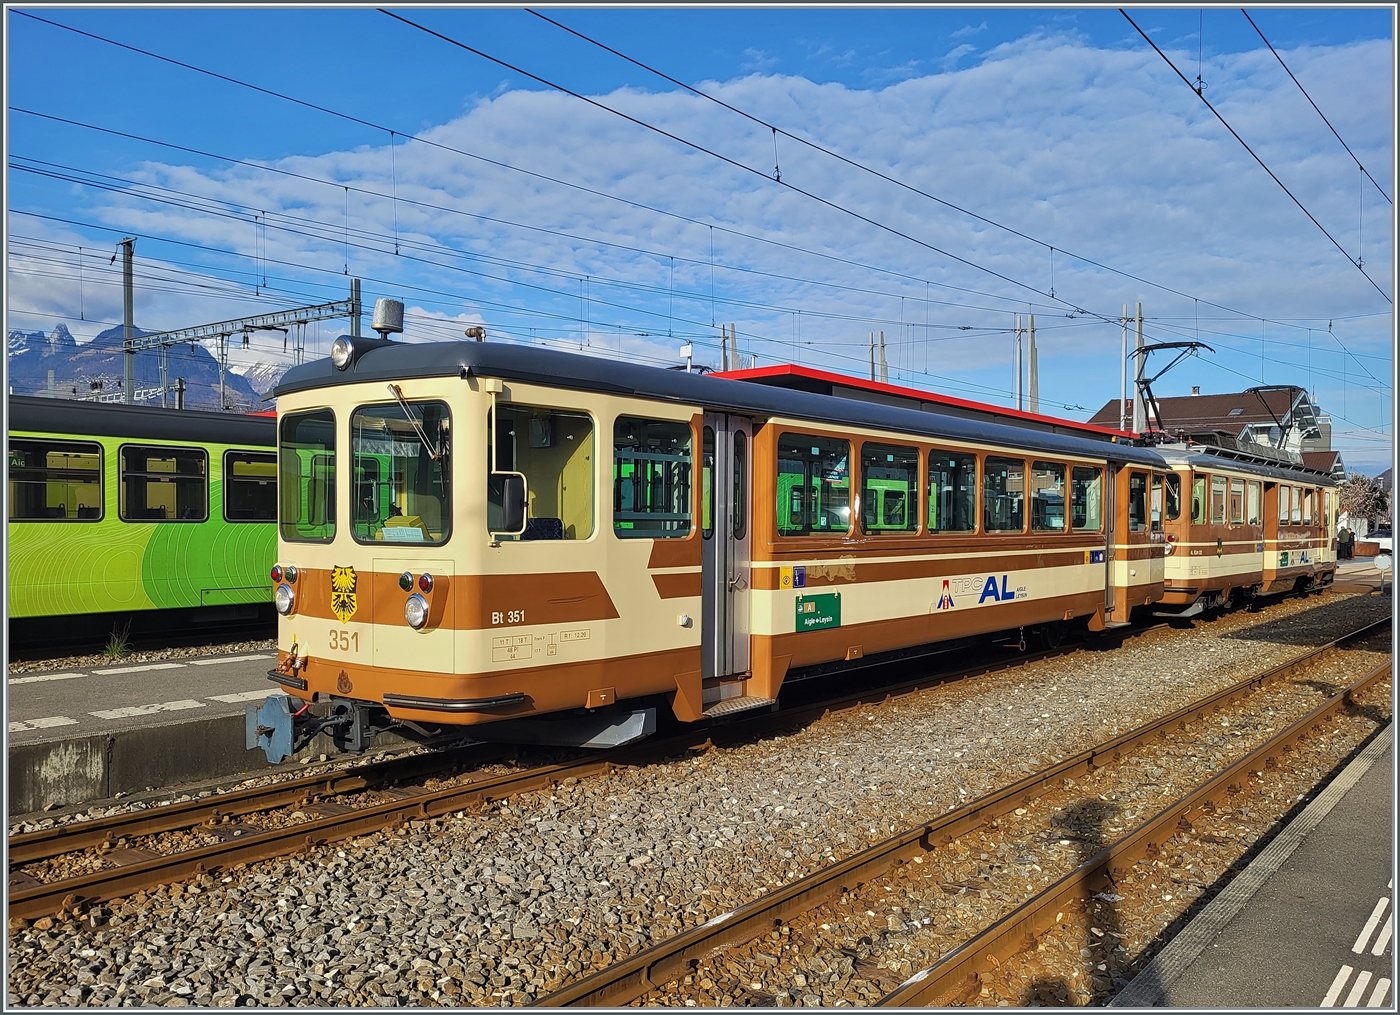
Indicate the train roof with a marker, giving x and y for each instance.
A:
(72, 418)
(1204, 458)
(395, 361)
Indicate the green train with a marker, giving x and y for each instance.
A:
(137, 519)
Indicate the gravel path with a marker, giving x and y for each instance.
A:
(501, 906)
(97, 660)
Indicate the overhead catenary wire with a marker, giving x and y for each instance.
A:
(952, 382)
(190, 201)
(1314, 105)
(564, 183)
(835, 206)
(1256, 158)
(428, 205)
(468, 154)
(873, 171)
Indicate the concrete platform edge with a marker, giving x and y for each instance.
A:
(96, 767)
(1148, 988)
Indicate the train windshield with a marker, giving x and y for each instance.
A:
(306, 476)
(403, 473)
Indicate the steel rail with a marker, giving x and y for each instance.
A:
(959, 973)
(655, 966)
(29, 847)
(28, 901)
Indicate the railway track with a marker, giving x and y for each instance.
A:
(959, 975)
(122, 854)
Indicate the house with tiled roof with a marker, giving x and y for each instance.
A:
(1280, 417)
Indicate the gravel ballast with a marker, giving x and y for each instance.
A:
(499, 907)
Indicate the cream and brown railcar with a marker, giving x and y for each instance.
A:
(1238, 526)
(473, 533)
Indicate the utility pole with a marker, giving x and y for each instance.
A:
(128, 322)
(884, 367)
(1123, 375)
(1034, 370)
(872, 355)
(356, 308)
(1139, 409)
(1016, 359)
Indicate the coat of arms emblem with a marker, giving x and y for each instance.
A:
(343, 600)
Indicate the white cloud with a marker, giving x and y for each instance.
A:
(966, 31)
(1100, 151)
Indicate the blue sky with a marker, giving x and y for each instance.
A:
(1061, 123)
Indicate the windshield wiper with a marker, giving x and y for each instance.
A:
(422, 437)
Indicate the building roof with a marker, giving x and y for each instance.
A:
(1230, 412)
(1323, 461)
(800, 378)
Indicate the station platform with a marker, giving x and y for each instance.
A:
(1360, 575)
(1308, 923)
(81, 736)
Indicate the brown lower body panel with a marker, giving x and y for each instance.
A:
(469, 699)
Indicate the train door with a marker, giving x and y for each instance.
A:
(725, 560)
(1110, 514)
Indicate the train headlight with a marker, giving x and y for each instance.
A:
(342, 352)
(415, 611)
(284, 599)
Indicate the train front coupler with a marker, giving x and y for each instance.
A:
(283, 725)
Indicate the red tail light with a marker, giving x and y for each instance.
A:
(425, 582)
(277, 572)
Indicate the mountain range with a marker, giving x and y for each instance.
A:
(55, 364)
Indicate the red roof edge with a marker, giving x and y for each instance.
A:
(793, 370)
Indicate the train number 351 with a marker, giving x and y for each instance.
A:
(345, 641)
(507, 617)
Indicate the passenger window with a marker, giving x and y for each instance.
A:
(1156, 503)
(889, 489)
(1047, 497)
(1283, 505)
(1236, 501)
(306, 476)
(163, 484)
(651, 478)
(1137, 502)
(1307, 507)
(707, 482)
(1217, 500)
(1198, 500)
(403, 473)
(814, 485)
(1086, 499)
(952, 492)
(554, 450)
(1254, 515)
(1296, 506)
(1004, 495)
(250, 486)
(55, 480)
(1173, 495)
